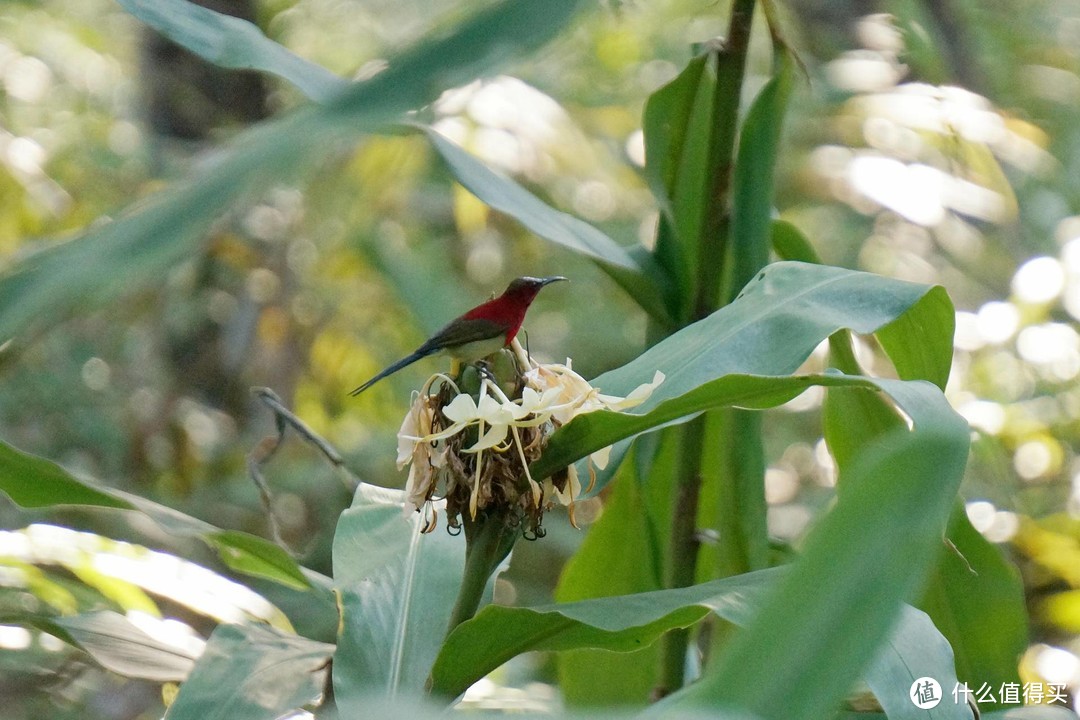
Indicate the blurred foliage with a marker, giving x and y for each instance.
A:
(327, 277)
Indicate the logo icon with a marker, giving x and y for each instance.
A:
(925, 693)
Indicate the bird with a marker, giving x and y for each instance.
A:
(484, 330)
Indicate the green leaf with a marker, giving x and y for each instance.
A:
(623, 553)
(35, 482)
(154, 236)
(397, 588)
(789, 243)
(678, 128)
(752, 183)
(844, 594)
(118, 645)
(233, 43)
(778, 320)
(252, 672)
(641, 281)
(622, 624)
(976, 596)
(625, 624)
(255, 556)
(931, 357)
(853, 417)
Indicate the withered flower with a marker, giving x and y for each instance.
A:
(478, 446)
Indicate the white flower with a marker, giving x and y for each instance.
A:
(552, 396)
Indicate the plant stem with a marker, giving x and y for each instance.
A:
(488, 540)
(682, 560)
(682, 557)
(730, 68)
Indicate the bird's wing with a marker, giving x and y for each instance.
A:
(462, 332)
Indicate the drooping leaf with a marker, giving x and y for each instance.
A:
(930, 359)
(844, 594)
(639, 277)
(252, 672)
(233, 43)
(149, 239)
(785, 312)
(118, 645)
(625, 624)
(976, 596)
(397, 589)
(35, 482)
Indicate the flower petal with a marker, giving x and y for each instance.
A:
(461, 409)
(495, 435)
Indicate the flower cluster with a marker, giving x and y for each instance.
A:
(480, 447)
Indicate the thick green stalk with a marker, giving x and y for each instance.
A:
(682, 559)
(729, 80)
(488, 540)
(682, 556)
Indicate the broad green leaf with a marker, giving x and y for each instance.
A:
(677, 136)
(774, 325)
(252, 555)
(734, 464)
(752, 183)
(623, 553)
(789, 243)
(397, 589)
(118, 645)
(930, 358)
(853, 417)
(507, 196)
(233, 43)
(624, 624)
(844, 594)
(149, 239)
(976, 596)
(35, 482)
(915, 649)
(252, 672)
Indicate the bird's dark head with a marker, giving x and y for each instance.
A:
(528, 287)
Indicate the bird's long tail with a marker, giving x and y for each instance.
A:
(403, 362)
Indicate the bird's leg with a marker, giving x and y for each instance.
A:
(484, 368)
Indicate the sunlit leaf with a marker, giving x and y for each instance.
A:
(36, 482)
(397, 589)
(150, 239)
(252, 672)
(118, 645)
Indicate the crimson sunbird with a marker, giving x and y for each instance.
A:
(484, 330)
